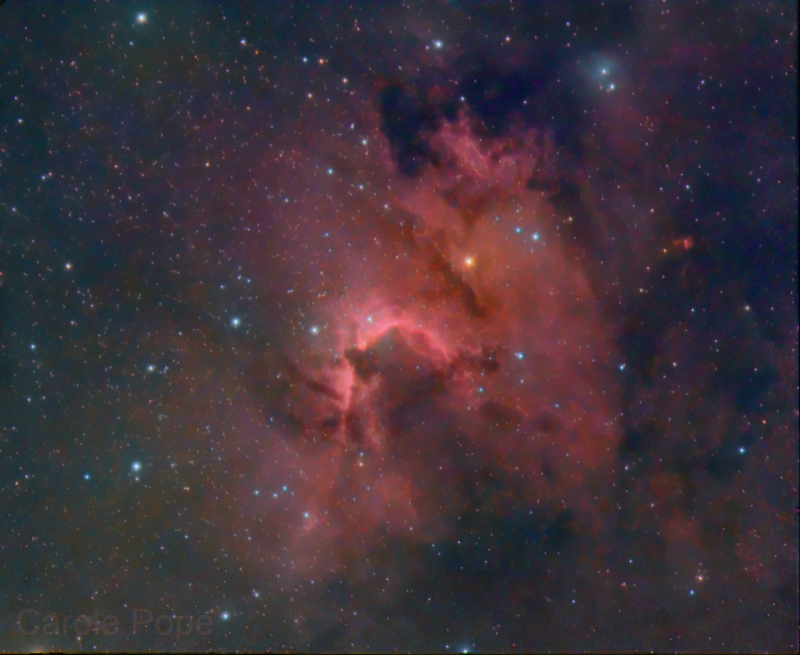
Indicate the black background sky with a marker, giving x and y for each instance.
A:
(401, 326)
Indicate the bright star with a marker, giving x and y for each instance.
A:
(225, 616)
(235, 322)
(136, 466)
(141, 18)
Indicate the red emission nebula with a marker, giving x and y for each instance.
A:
(461, 360)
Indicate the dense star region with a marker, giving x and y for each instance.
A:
(423, 326)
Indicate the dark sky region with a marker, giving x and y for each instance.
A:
(423, 326)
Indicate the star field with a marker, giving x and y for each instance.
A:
(421, 326)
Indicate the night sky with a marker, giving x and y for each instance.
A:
(401, 326)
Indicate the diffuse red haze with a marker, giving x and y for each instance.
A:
(465, 342)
